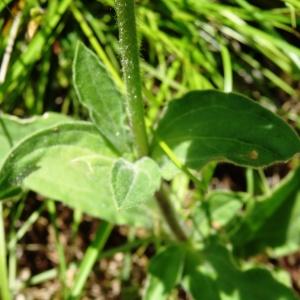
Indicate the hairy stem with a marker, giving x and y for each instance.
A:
(131, 72)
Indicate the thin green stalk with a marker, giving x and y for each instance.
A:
(12, 252)
(264, 182)
(77, 217)
(4, 288)
(126, 247)
(95, 44)
(250, 181)
(25, 227)
(42, 277)
(131, 71)
(227, 69)
(42, 83)
(89, 259)
(171, 155)
(34, 50)
(12, 267)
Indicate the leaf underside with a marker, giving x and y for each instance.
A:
(70, 163)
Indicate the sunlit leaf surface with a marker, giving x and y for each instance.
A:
(211, 125)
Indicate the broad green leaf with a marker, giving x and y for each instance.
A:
(13, 129)
(218, 209)
(273, 221)
(211, 125)
(134, 183)
(71, 163)
(164, 273)
(97, 92)
(211, 273)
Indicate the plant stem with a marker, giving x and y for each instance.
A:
(170, 215)
(89, 259)
(131, 72)
(4, 288)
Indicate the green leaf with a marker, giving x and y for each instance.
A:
(211, 125)
(164, 272)
(13, 129)
(97, 92)
(71, 163)
(218, 209)
(134, 183)
(272, 222)
(211, 273)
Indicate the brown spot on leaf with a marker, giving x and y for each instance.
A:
(253, 154)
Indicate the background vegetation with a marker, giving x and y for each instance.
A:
(250, 47)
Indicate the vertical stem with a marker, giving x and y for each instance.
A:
(170, 216)
(4, 288)
(131, 71)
